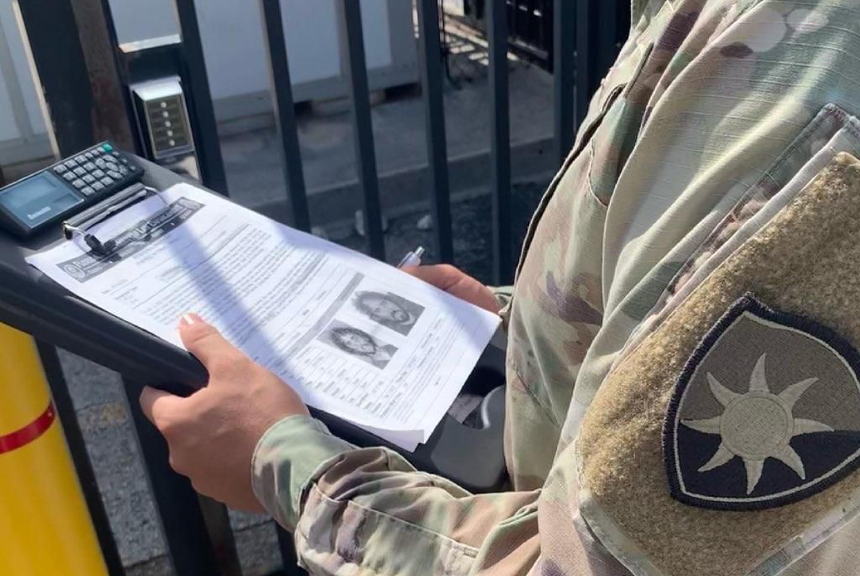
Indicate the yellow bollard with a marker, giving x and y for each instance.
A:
(45, 527)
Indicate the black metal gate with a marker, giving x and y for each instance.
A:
(531, 22)
(74, 46)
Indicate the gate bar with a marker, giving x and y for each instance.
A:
(80, 457)
(500, 140)
(430, 54)
(200, 105)
(196, 529)
(285, 113)
(564, 45)
(351, 39)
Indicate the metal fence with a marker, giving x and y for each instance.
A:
(584, 43)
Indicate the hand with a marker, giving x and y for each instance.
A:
(457, 283)
(212, 434)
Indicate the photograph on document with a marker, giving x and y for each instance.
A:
(387, 309)
(358, 343)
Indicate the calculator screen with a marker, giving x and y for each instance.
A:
(37, 199)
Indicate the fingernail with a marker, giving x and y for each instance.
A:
(190, 319)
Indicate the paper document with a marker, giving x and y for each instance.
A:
(355, 337)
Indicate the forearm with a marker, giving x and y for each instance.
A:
(370, 508)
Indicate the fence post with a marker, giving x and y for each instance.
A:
(430, 54)
(50, 36)
(564, 34)
(111, 101)
(500, 140)
(351, 39)
(196, 529)
(587, 77)
(200, 105)
(285, 114)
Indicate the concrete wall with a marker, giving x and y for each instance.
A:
(233, 42)
(236, 62)
(22, 129)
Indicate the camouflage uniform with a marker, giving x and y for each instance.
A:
(714, 117)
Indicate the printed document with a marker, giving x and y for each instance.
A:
(355, 337)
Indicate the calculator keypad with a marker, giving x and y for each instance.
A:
(98, 171)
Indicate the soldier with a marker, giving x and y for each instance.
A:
(683, 392)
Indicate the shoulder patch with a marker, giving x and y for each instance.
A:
(765, 413)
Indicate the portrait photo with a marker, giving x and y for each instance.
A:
(358, 344)
(390, 310)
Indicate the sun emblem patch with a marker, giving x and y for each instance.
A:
(765, 413)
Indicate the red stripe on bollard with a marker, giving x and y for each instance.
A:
(28, 433)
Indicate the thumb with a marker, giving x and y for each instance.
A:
(158, 405)
(206, 343)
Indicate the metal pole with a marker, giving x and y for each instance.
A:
(586, 60)
(45, 525)
(351, 38)
(200, 105)
(196, 529)
(434, 113)
(285, 114)
(58, 66)
(606, 35)
(563, 38)
(77, 448)
(111, 101)
(500, 152)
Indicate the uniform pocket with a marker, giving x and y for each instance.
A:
(728, 442)
(575, 161)
(830, 132)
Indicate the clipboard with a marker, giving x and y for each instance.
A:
(31, 302)
(77, 228)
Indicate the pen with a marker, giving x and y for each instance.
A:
(412, 258)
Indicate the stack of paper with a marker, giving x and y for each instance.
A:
(355, 337)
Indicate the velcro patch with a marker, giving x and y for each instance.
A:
(751, 415)
(766, 412)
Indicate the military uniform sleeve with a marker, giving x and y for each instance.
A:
(369, 508)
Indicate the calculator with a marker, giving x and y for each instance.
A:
(65, 188)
